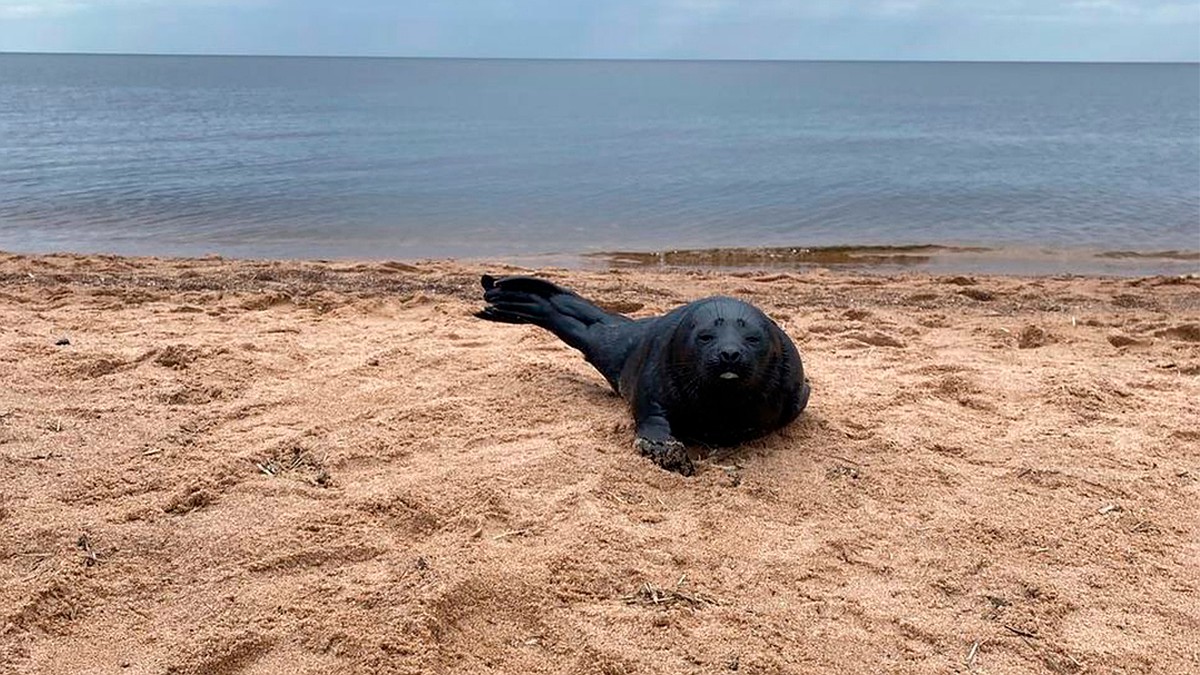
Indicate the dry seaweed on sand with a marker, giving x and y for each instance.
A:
(650, 595)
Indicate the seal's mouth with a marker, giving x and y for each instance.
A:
(729, 375)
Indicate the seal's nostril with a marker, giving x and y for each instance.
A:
(728, 356)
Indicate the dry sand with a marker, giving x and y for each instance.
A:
(262, 467)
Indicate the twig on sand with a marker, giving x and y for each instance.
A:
(652, 596)
(38, 557)
(1048, 652)
(1018, 631)
(297, 459)
(510, 533)
(972, 654)
(90, 558)
(841, 459)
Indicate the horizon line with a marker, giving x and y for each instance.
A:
(594, 58)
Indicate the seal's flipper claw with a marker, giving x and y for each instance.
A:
(516, 312)
(492, 314)
(670, 454)
(488, 282)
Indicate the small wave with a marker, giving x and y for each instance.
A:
(932, 258)
(917, 254)
(1150, 255)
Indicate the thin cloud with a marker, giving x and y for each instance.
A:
(43, 9)
(1081, 9)
(23, 9)
(855, 29)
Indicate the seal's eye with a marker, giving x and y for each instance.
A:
(753, 339)
(705, 338)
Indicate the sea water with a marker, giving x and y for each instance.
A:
(413, 158)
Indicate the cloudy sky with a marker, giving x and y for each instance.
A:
(1077, 30)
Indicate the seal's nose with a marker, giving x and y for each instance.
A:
(730, 356)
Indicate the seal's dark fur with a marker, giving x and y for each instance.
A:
(715, 371)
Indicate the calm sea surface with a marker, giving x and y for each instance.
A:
(408, 158)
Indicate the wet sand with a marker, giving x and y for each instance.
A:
(921, 258)
(303, 467)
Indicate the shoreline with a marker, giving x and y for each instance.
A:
(929, 258)
(883, 259)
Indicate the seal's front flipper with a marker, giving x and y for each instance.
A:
(654, 440)
(670, 454)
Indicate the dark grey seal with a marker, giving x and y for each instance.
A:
(715, 372)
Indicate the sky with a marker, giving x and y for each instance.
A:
(971, 30)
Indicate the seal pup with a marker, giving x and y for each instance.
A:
(716, 372)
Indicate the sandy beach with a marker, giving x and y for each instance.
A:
(219, 467)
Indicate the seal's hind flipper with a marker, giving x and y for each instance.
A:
(605, 338)
(501, 316)
(541, 303)
(539, 300)
(520, 284)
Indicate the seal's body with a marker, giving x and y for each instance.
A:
(715, 371)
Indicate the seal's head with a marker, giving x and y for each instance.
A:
(725, 343)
